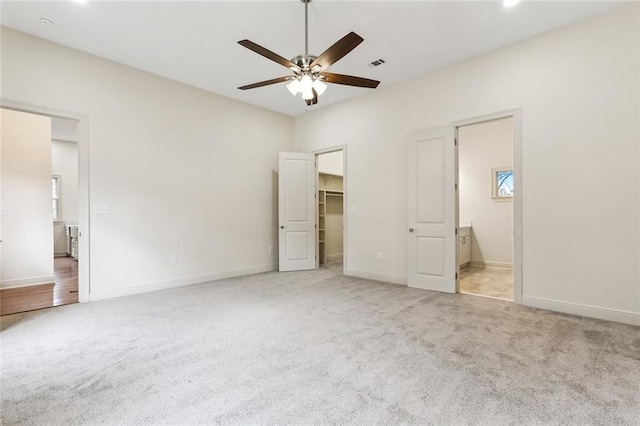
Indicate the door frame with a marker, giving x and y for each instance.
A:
(345, 196)
(516, 116)
(84, 259)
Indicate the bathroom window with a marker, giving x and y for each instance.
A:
(55, 194)
(502, 183)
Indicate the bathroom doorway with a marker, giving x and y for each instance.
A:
(486, 194)
(330, 203)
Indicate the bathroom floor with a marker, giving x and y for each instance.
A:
(489, 282)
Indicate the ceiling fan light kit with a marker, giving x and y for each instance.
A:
(309, 77)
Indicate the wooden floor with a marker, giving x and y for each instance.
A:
(65, 290)
(62, 292)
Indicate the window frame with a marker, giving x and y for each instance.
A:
(56, 205)
(495, 194)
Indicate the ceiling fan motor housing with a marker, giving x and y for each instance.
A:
(303, 61)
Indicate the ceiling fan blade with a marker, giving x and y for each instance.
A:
(349, 80)
(337, 51)
(268, 54)
(265, 83)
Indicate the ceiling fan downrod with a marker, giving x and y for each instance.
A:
(306, 27)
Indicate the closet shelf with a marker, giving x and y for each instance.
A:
(329, 191)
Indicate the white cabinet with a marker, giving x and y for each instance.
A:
(464, 246)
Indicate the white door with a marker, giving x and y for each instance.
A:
(296, 211)
(431, 230)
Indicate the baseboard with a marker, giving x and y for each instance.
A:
(393, 279)
(180, 282)
(331, 258)
(491, 264)
(60, 254)
(583, 310)
(24, 282)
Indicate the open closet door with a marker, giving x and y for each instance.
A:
(432, 211)
(296, 211)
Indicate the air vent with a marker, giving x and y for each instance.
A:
(377, 63)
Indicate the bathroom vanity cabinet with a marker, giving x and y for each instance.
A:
(464, 246)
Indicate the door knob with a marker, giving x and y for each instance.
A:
(281, 226)
(411, 229)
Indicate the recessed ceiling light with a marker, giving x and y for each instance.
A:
(510, 3)
(79, 1)
(48, 22)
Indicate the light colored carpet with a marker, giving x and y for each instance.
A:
(315, 348)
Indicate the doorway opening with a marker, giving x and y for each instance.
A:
(53, 188)
(64, 188)
(488, 195)
(330, 209)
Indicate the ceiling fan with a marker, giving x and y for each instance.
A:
(309, 76)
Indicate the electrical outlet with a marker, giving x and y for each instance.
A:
(270, 249)
(380, 255)
(174, 260)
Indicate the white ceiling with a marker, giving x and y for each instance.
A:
(196, 42)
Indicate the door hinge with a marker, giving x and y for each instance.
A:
(456, 185)
(455, 141)
(456, 231)
(456, 275)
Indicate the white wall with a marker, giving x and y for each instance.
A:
(481, 148)
(64, 157)
(578, 90)
(331, 163)
(185, 172)
(64, 164)
(64, 129)
(25, 174)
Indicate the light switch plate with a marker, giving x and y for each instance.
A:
(103, 209)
